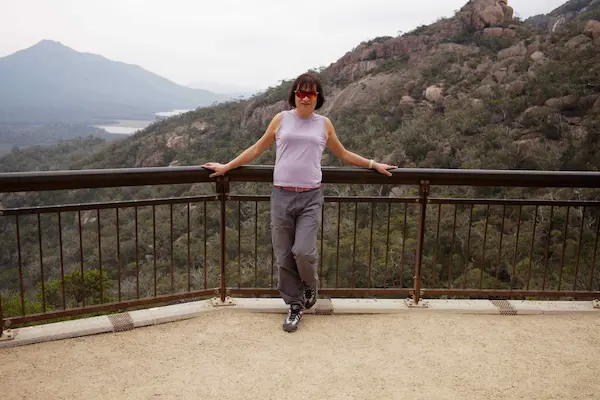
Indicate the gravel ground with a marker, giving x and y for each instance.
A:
(222, 355)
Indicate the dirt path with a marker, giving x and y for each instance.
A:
(247, 356)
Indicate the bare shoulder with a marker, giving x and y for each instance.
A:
(329, 129)
(275, 123)
(276, 119)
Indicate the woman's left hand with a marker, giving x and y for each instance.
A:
(383, 168)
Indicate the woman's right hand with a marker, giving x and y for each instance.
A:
(220, 169)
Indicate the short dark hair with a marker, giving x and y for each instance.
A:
(307, 79)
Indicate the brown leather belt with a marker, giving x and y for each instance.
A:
(297, 189)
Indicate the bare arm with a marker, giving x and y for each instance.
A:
(334, 144)
(251, 153)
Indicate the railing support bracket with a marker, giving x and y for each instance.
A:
(8, 334)
(216, 302)
(410, 303)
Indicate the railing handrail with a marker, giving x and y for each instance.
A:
(121, 177)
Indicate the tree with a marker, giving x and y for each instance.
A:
(76, 289)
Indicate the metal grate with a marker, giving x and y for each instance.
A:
(121, 322)
(324, 307)
(504, 307)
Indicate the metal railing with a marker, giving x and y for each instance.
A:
(389, 245)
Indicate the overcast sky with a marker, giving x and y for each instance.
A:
(252, 43)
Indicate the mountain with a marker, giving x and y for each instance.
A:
(563, 14)
(50, 82)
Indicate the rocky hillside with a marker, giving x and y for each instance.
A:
(563, 14)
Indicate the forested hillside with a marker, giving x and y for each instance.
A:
(18, 137)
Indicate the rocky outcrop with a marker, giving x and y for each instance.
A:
(500, 75)
(261, 115)
(354, 71)
(588, 102)
(537, 56)
(592, 29)
(516, 88)
(484, 67)
(577, 41)
(500, 32)
(366, 90)
(477, 103)
(517, 50)
(533, 47)
(413, 48)
(533, 114)
(596, 106)
(200, 125)
(493, 32)
(176, 142)
(563, 103)
(484, 92)
(407, 103)
(409, 86)
(481, 14)
(434, 94)
(367, 56)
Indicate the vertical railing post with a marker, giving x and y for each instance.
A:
(223, 193)
(423, 193)
(1, 318)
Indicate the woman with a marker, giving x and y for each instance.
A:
(300, 136)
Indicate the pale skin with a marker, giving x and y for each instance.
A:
(304, 108)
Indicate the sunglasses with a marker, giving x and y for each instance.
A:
(302, 94)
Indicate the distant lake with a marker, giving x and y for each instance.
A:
(131, 126)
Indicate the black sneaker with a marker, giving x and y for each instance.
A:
(292, 319)
(311, 298)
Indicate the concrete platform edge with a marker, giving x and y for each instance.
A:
(179, 312)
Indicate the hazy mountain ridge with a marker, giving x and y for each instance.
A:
(50, 82)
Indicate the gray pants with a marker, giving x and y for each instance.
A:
(295, 221)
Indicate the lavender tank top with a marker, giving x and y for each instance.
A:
(299, 147)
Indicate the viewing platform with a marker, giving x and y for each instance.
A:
(435, 284)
